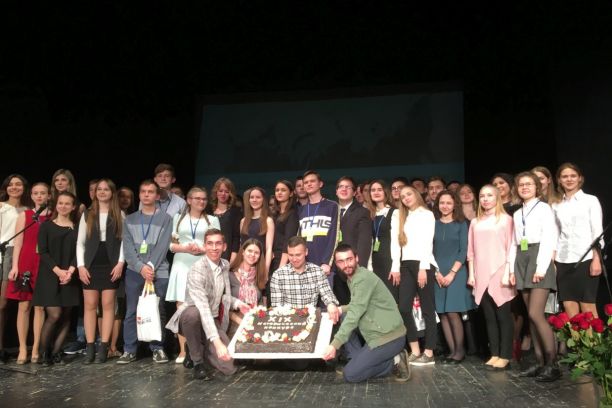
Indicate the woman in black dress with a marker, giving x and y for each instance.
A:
(286, 222)
(57, 289)
(224, 201)
(256, 223)
(100, 263)
(381, 209)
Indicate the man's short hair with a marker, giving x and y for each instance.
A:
(436, 178)
(311, 172)
(213, 231)
(404, 180)
(342, 247)
(149, 182)
(163, 167)
(346, 178)
(295, 241)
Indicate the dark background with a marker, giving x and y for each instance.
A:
(110, 89)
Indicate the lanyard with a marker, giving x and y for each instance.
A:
(315, 212)
(193, 230)
(145, 235)
(377, 227)
(525, 216)
(167, 205)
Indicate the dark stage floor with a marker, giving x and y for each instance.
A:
(144, 384)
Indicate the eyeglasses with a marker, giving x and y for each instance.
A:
(396, 188)
(344, 187)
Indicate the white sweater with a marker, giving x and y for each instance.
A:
(419, 228)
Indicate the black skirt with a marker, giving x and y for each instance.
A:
(100, 271)
(575, 282)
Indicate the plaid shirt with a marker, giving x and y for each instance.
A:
(287, 287)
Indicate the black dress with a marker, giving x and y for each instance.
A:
(230, 228)
(253, 232)
(57, 247)
(381, 259)
(283, 230)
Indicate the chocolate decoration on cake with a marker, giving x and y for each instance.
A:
(282, 329)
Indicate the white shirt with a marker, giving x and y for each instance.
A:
(419, 228)
(82, 236)
(535, 221)
(579, 220)
(8, 221)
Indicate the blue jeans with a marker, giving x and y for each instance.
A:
(365, 362)
(134, 283)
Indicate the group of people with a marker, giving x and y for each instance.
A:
(373, 258)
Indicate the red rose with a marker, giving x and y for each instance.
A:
(577, 318)
(608, 309)
(575, 327)
(257, 339)
(554, 321)
(296, 333)
(564, 317)
(598, 325)
(588, 316)
(558, 324)
(584, 325)
(261, 314)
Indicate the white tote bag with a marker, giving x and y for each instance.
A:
(147, 315)
(417, 314)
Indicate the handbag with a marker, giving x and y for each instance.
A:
(552, 304)
(148, 324)
(417, 314)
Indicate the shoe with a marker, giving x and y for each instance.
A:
(339, 369)
(47, 360)
(492, 360)
(3, 357)
(412, 357)
(180, 360)
(126, 358)
(424, 360)
(58, 358)
(22, 361)
(452, 361)
(35, 360)
(499, 365)
(75, 347)
(532, 371)
(113, 353)
(90, 353)
(403, 367)
(159, 356)
(188, 362)
(200, 372)
(102, 353)
(548, 373)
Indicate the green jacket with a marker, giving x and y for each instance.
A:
(372, 310)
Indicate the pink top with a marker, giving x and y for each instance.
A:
(489, 245)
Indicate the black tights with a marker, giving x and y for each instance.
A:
(452, 326)
(58, 319)
(544, 344)
(499, 326)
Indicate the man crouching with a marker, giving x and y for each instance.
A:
(204, 316)
(374, 313)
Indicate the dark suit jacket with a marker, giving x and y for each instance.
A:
(356, 227)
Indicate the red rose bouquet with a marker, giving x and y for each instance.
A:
(589, 341)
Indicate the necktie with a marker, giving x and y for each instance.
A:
(342, 211)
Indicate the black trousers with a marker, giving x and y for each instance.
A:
(499, 326)
(408, 289)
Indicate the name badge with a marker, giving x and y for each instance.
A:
(144, 247)
(376, 245)
(524, 244)
(339, 236)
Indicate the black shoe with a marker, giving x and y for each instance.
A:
(549, 373)
(46, 359)
(532, 371)
(188, 362)
(452, 361)
(58, 358)
(90, 353)
(201, 372)
(102, 353)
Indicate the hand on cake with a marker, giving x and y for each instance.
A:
(333, 312)
(329, 353)
(243, 307)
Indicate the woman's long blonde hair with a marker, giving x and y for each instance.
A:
(404, 211)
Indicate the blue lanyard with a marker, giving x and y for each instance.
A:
(193, 230)
(315, 212)
(525, 216)
(167, 205)
(377, 228)
(144, 236)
